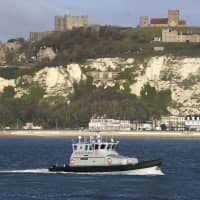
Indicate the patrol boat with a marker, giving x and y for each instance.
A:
(98, 155)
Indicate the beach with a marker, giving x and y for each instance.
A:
(75, 133)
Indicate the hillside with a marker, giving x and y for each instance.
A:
(68, 77)
(80, 44)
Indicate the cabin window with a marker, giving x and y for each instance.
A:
(75, 147)
(86, 147)
(113, 146)
(91, 148)
(103, 146)
(83, 158)
(81, 147)
(96, 146)
(109, 147)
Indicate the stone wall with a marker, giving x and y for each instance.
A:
(68, 22)
(175, 36)
(37, 36)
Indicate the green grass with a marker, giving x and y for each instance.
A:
(79, 45)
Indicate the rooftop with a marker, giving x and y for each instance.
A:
(159, 21)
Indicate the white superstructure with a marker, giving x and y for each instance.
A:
(95, 151)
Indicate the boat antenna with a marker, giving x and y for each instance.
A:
(79, 139)
(98, 138)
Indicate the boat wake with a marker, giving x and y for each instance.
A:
(26, 171)
(153, 171)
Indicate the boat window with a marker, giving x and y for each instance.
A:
(75, 147)
(96, 146)
(103, 146)
(109, 146)
(91, 148)
(113, 146)
(81, 147)
(86, 147)
(83, 158)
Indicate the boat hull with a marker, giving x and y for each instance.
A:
(103, 169)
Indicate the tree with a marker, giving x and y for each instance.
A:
(148, 95)
(35, 94)
(8, 92)
(155, 102)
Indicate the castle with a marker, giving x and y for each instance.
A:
(62, 23)
(68, 22)
(173, 20)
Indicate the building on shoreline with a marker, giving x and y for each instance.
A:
(166, 123)
(172, 123)
(173, 20)
(108, 124)
(192, 122)
(143, 126)
(30, 126)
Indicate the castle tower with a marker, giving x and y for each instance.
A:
(144, 21)
(173, 18)
(75, 21)
(59, 23)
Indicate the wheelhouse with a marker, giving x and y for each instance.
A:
(94, 144)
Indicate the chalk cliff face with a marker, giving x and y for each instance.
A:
(5, 83)
(180, 75)
(46, 53)
(59, 81)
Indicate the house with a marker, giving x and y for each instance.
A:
(192, 122)
(172, 123)
(108, 124)
(30, 126)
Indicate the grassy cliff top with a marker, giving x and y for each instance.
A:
(108, 41)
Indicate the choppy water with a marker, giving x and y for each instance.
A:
(24, 174)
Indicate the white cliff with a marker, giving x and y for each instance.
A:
(46, 53)
(58, 81)
(180, 75)
(5, 83)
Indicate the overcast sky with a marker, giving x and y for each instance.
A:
(19, 17)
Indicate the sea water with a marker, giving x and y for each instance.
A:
(24, 172)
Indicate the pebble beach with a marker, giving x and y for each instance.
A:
(75, 133)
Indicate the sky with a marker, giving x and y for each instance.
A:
(19, 17)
